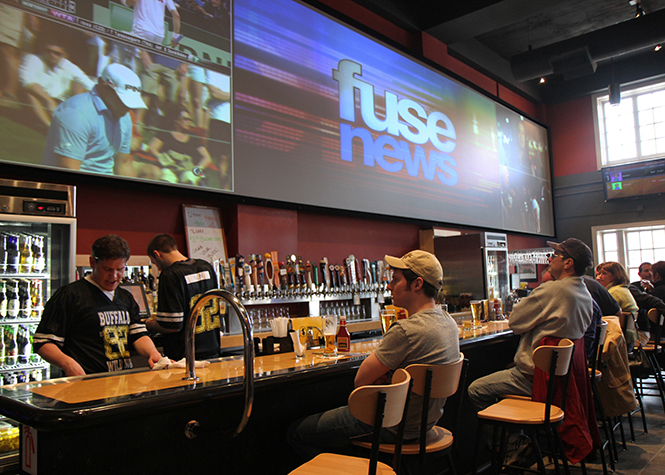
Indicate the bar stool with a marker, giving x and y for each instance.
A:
(433, 381)
(379, 405)
(531, 415)
(651, 351)
(596, 375)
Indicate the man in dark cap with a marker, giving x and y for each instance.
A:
(560, 308)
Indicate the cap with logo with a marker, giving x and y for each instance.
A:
(125, 83)
(421, 263)
(574, 248)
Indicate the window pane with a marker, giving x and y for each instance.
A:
(659, 238)
(648, 147)
(647, 133)
(634, 258)
(659, 255)
(611, 256)
(645, 237)
(610, 242)
(633, 240)
(645, 117)
(647, 256)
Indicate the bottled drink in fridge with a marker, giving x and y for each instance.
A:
(25, 254)
(12, 299)
(3, 253)
(2, 346)
(11, 346)
(11, 246)
(37, 297)
(38, 257)
(3, 300)
(24, 299)
(23, 343)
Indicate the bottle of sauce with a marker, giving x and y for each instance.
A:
(343, 336)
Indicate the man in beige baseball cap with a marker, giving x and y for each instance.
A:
(428, 336)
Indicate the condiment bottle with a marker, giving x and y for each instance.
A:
(343, 336)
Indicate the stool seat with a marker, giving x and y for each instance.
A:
(520, 411)
(438, 439)
(333, 464)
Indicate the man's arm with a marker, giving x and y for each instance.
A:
(69, 163)
(123, 164)
(146, 347)
(54, 355)
(371, 371)
(154, 326)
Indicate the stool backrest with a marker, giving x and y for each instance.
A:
(556, 361)
(382, 405)
(657, 319)
(437, 381)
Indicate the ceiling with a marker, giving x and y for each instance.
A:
(575, 44)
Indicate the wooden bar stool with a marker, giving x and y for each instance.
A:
(379, 405)
(531, 415)
(433, 381)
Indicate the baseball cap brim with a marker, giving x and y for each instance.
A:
(395, 262)
(131, 99)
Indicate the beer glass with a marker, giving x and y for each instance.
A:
(329, 324)
(387, 318)
(476, 312)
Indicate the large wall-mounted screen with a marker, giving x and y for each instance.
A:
(55, 113)
(311, 112)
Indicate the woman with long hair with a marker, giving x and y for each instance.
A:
(613, 276)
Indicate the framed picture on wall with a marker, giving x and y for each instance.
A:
(527, 272)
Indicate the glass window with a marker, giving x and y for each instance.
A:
(634, 129)
(631, 244)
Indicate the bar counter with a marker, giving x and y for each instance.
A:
(99, 422)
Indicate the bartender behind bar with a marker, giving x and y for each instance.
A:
(88, 325)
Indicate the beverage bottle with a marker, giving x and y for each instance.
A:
(3, 253)
(2, 346)
(11, 247)
(3, 300)
(37, 298)
(23, 342)
(25, 254)
(38, 257)
(12, 299)
(11, 346)
(24, 299)
(343, 336)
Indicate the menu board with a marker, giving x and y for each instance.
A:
(205, 234)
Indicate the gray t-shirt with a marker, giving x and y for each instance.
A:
(426, 337)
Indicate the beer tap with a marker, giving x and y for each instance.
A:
(261, 275)
(317, 284)
(269, 274)
(343, 282)
(333, 278)
(249, 287)
(352, 272)
(240, 280)
(254, 275)
(283, 279)
(375, 280)
(367, 275)
(325, 274)
(308, 266)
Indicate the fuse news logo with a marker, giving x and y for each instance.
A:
(404, 119)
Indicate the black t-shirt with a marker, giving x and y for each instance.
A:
(81, 320)
(180, 286)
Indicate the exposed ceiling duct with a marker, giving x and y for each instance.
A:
(578, 56)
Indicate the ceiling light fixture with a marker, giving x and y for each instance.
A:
(658, 47)
(615, 88)
(542, 80)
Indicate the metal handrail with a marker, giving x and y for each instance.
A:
(248, 346)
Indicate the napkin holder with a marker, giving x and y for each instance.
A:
(268, 345)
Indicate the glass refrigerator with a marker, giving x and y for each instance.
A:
(37, 256)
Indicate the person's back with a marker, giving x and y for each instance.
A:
(180, 286)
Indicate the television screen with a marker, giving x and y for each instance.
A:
(269, 99)
(58, 114)
(634, 179)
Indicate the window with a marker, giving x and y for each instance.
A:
(634, 129)
(630, 244)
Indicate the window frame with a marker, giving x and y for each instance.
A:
(597, 101)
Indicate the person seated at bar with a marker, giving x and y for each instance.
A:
(428, 336)
(181, 282)
(89, 325)
(559, 308)
(658, 272)
(614, 278)
(646, 277)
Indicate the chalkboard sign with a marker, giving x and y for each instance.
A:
(205, 234)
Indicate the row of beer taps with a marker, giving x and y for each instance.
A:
(266, 277)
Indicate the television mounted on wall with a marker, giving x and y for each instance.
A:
(634, 180)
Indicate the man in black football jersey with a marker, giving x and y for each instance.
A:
(88, 325)
(181, 282)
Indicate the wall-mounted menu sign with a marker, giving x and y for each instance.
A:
(205, 233)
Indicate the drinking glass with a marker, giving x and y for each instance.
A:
(329, 323)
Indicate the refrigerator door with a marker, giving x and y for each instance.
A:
(496, 265)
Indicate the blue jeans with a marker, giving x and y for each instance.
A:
(331, 431)
(485, 391)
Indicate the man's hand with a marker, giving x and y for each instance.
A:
(175, 39)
